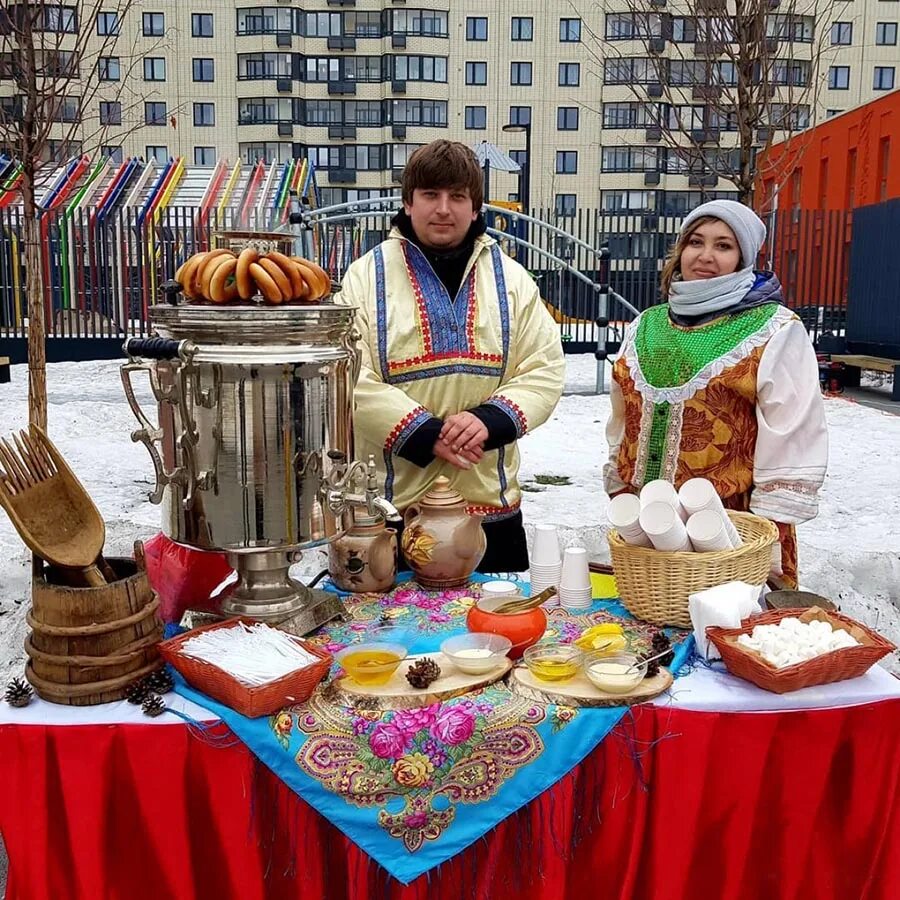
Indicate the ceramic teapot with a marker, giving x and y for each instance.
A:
(364, 559)
(442, 542)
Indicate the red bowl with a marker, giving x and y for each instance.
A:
(523, 629)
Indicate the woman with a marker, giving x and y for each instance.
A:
(721, 382)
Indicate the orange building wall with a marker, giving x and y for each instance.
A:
(848, 161)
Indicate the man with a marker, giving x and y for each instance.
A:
(459, 355)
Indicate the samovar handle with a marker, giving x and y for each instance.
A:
(149, 434)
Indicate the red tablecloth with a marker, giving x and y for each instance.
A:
(767, 805)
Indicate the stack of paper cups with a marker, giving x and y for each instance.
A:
(698, 494)
(624, 515)
(575, 579)
(706, 529)
(663, 525)
(546, 562)
(661, 491)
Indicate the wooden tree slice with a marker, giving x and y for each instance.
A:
(581, 692)
(398, 693)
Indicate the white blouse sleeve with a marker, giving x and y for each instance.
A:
(615, 432)
(792, 440)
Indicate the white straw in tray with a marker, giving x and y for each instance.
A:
(254, 654)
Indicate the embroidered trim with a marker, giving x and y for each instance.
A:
(441, 357)
(795, 487)
(502, 301)
(494, 513)
(673, 442)
(501, 474)
(513, 410)
(643, 448)
(404, 428)
(687, 390)
(433, 371)
(388, 475)
(381, 312)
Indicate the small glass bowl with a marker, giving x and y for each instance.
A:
(599, 669)
(492, 648)
(360, 660)
(553, 663)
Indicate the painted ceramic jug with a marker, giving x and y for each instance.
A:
(442, 542)
(364, 559)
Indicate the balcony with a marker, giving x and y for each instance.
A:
(341, 87)
(341, 132)
(342, 176)
(344, 42)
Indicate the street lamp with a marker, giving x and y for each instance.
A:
(525, 173)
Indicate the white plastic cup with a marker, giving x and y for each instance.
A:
(662, 491)
(697, 494)
(575, 599)
(624, 515)
(498, 588)
(575, 574)
(545, 548)
(664, 527)
(707, 531)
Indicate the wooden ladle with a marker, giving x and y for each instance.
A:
(50, 508)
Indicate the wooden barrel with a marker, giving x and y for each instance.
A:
(88, 644)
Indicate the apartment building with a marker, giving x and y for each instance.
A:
(357, 85)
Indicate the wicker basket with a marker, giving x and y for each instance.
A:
(263, 700)
(655, 585)
(263, 241)
(848, 662)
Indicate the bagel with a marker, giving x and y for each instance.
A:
(222, 286)
(289, 267)
(209, 271)
(323, 275)
(266, 284)
(208, 258)
(186, 273)
(245, 287)
(316, 284)
(279, 277)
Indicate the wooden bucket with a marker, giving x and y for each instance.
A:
(88, 644)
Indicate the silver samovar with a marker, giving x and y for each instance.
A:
(254, 442)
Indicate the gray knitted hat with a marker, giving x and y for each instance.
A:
(747, 226)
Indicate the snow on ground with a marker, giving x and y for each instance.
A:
(851, 552)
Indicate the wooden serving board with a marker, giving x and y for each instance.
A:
(580, 692)
(398, 693)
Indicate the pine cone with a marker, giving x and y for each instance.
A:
(136, 692)
(154, 705)
(18, 693)
(422, 672)
(159, 682)
(652, 667)
(659, 643)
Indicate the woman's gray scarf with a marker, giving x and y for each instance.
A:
(709, 295)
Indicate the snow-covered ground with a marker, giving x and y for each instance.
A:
(851, 552)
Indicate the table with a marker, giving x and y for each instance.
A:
(687, 798)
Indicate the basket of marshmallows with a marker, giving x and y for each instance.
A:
(667, 544)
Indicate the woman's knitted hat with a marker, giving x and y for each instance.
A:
(747, 226)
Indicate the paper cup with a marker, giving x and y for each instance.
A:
(662, 491)
(707, 531)
(698, 494)
(624, 515)
(575, 574)
(498, 588)
(575, 599)
(664, 527)
(545, 547)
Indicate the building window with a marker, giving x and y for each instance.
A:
(519, 157)
(520, 115)
(522, 28)
(569, 74)
(565, 204)
(154, 24)
(204, 70)
(159, 152)
(567, 118)
(831, 113)
(110, 112)
(570, 31)
(566, 162)
(204, 114)
(107, 23)
(476, 28)
(884, 78)
(520, 73)
(476, 73)
(112, 152)
(201, 25)
(406, 68)
(204, 156)
(109, 68)
(628, 201)
(841, 33)
(154, 113)
(476, 117)
(154, 68)
(839, 78)
(886, 34)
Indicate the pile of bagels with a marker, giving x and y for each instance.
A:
(222, 276)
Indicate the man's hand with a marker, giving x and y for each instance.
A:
(464, 432)
(462, 460)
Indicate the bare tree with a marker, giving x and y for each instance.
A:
(717, 82)
(71, 70)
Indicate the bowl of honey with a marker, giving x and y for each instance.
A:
(553, 662)
(375, 657)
